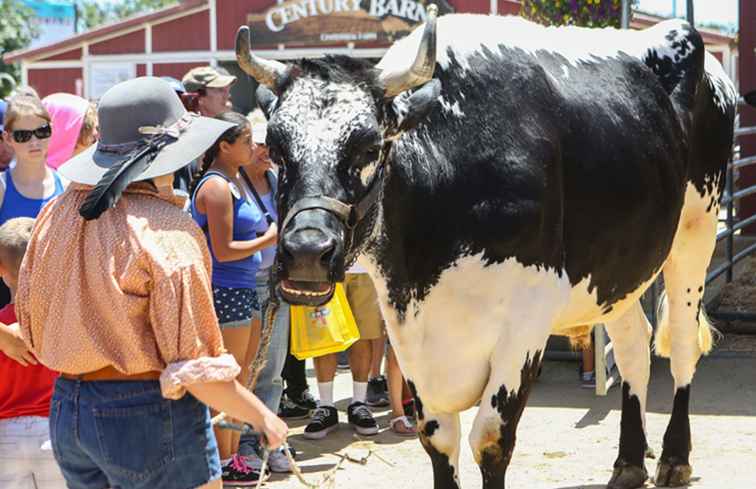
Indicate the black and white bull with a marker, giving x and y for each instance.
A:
(509, 182)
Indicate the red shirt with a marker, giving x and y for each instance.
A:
(24, 391)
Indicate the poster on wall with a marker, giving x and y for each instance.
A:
(102, 76)
(329, 22)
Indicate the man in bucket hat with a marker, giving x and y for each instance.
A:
(211, 88)
(114, 293)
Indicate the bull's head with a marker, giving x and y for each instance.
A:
(330, 127)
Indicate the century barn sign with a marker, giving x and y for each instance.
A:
(319, 22)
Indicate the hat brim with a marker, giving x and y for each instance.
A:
(89, 166)
(221, 81)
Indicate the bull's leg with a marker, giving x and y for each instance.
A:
(439, 435)
(514, 368)
(630, 336)
(684, 332)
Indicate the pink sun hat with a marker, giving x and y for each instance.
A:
(67, 112)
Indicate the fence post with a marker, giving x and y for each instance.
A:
(729, 184)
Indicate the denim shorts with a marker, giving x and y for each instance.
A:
(125, 435)
(235, 307)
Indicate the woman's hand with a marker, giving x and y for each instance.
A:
(271, 232)
(12, 344)
(274, 429)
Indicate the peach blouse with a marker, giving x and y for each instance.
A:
(130, 289)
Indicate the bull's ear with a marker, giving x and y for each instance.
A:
(266, 99)
(412, 106)
(750, 98)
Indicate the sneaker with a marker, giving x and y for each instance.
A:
(324, 420)
(278, 462)
(362, 419)
(304, 399)
(377, 392)
(253, 461)
(237, 473)
(290, 410)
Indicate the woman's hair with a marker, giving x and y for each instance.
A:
(88, 124)
(24, 105)
(230, 136)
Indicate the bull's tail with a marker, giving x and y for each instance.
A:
(663, 337)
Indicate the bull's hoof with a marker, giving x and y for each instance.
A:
(628, 477)
(669, 474)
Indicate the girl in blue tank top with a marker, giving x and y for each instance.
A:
(30, 184)
(230, 223)
(27, 187)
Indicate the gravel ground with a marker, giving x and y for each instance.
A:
(567, 437)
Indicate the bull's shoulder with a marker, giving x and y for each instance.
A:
(723, 92)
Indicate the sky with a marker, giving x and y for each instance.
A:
(721, 11)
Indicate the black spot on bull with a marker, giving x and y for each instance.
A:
(632, 437)
(418, 402)
(509, 404)
(430, 428)
(677, 444)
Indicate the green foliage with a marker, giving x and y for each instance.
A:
(587, 13)
(93, 13)
(16, 32)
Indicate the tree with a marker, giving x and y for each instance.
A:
(93, 13)
(587, 13)
(16, 32)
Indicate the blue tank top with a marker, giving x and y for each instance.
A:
(16, 205)
(247, 219)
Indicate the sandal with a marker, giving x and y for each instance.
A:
(402, 426)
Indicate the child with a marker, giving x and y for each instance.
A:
(25, 385)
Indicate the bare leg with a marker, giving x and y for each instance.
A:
(237, 341)
(378, 346)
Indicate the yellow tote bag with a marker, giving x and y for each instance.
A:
(317, 331)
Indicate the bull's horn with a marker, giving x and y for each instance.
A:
(266, 71)
(396, 81)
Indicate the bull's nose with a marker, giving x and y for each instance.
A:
(308, 253)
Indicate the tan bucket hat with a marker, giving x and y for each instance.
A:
(207, 77)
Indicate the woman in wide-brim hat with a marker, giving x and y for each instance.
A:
(115, 293)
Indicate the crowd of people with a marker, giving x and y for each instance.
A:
(136, 242)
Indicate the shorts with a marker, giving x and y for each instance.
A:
(26, 459)
(235, 307)
(363, 300)
(124, 434)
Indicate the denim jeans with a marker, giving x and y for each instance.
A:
(269, 387)
(124, 434)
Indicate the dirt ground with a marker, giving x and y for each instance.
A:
(567, 437)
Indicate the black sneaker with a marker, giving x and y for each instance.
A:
(362, 419)
(291, 410)
(377, 392)
(324, 420)
(303, 399)
(237, 473)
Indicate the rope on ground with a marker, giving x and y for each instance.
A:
(328, 480)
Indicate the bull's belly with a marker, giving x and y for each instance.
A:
(446, 341)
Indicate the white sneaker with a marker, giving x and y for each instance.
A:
(278, 462)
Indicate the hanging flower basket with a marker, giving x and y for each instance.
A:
(587, 13)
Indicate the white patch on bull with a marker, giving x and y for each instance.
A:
(453, 109)
(682, 334)
(320, 115)
(725, 93)
(367, 172)
(565, 71)
(446, 341)
(575, 44)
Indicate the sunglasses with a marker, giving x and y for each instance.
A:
(24, 135)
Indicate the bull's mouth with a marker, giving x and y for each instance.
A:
(305, 293)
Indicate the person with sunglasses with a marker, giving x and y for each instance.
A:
(30, 184)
